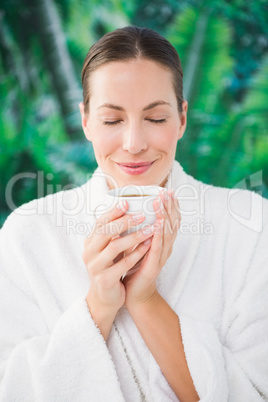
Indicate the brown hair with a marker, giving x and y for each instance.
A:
(128, 43)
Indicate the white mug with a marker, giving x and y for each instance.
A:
(139, 199)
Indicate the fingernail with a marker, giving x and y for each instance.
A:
(166, 196)
(121, 205)
(138, 217)
(147, 242)
(147, 230)
(160, 204)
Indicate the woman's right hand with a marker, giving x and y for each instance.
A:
(102, 251)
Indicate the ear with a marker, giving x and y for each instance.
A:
(84, 120)
(183, 119)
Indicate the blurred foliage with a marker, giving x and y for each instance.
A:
(223, 48)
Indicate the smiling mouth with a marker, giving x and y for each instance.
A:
(135, 168)
(136, 165)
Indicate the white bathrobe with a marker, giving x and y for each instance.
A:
(216, 280)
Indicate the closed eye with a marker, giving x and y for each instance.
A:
(111, 123)
(157, 121)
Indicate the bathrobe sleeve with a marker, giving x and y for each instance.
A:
(230, 363)
(69, 362)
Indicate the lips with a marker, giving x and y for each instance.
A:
(135, 164)
(135, 168)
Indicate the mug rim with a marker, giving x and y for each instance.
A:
(114, 192)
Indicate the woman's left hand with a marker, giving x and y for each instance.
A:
(141, 285)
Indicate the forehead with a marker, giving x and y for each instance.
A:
(137, 79)
(117, 69)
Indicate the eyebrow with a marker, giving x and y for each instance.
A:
(148, 107)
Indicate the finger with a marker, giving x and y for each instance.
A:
(150, 266)
(167, 232)
(158, 207)
(174, 212)
(121, 244)
(167, 203)
(172, 224)
(117, 271)
(129, 250)
(112, 224)
(171, 212)
(161, 213)
(104, 234)
(112, 214)
(176, 217)
(115, 212)
(167, 229)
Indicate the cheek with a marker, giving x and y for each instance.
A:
(104, 145)
(167, 140)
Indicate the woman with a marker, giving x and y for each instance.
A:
(192, 322)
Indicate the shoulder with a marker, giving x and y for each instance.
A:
(224, 208)
(237, 207)
(241, 208)
(50, 210)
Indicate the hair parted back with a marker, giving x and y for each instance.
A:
(128, 43)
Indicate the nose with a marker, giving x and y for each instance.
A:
(134, 140)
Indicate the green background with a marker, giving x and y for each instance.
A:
(223, 47)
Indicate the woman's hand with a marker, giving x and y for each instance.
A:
(141, 285)
(102, 251)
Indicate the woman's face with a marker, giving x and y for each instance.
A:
(133, 121)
